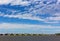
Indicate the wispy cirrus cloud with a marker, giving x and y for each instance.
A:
(36, 9)
(24, 16)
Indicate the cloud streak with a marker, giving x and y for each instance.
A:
(25, 26)
(28, 28)
(24, 16)
(5, 1)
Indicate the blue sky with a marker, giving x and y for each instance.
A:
(30, 16)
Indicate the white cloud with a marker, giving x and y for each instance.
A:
(52, 22)
(25, 26)
(24, 16)
(34, 11)
(54, 18)
(20, 2)
(58, 1)
(5, 1)
(30, 28)
(14, 2)
(30, 17)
